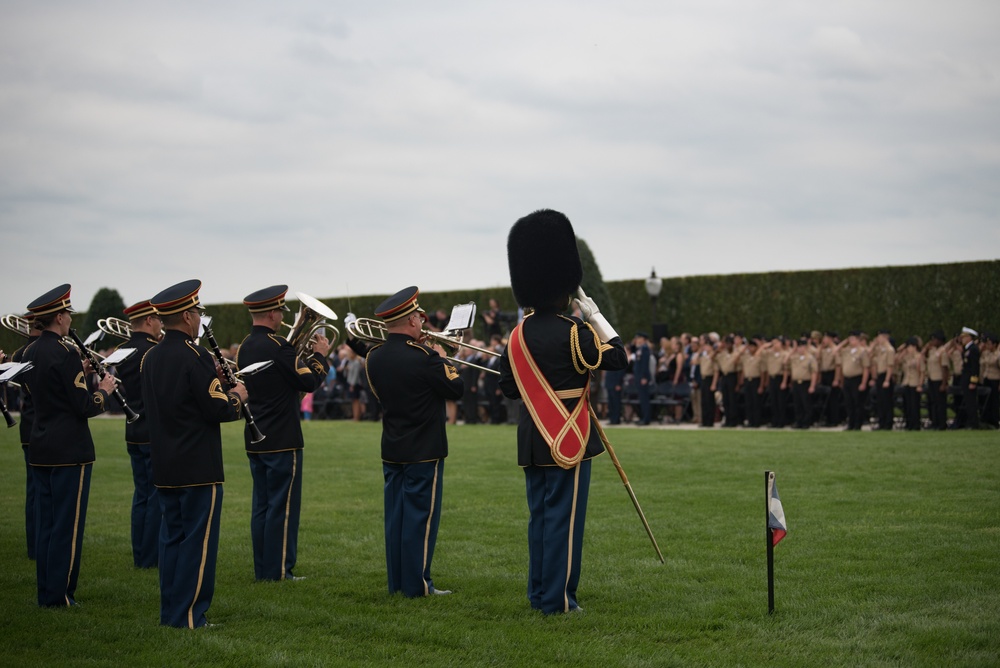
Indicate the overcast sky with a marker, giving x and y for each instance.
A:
(359, 147)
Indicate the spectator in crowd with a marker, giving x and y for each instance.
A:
(803, 372)
(706, 368)
(776, 379)
(937, 371)
(726, 380)
(882, 357)
(853, 367)
(989, 364)
(749, 361)
(912, 364)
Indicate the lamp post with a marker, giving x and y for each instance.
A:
(653, 286)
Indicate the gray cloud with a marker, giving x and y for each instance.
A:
(339, 147)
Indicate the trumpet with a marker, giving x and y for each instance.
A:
(311, 319)
(17, 324)
(115, 327)
(375, 331)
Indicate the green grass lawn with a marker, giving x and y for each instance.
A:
(892, 558)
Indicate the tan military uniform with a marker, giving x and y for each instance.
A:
(750, 365)
(955, 362)
(989, 365)
(725, 361)
(707, 366)
(883, 359)
(775, 362)
(802, 366)
(853, 361)
(936, 364)
(827, 359)
(913, 367)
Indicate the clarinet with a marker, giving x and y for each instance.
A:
(88, 354)
(3, 407)
(255, 435)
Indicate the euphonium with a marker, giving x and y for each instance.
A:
(311, 318)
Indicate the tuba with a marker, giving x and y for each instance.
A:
(116, 327)
(311, 318)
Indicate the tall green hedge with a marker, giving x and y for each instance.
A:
(907, 300)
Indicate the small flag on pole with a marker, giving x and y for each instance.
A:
(774, 530)
(775, 514)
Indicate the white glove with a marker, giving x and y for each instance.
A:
(592, 314)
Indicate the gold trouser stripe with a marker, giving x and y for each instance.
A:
(204, 556)
(430, 519)
(569, 546)
(288, 507)
(76, 529)
(570, 394)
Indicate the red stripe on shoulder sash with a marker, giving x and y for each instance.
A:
(566, 432)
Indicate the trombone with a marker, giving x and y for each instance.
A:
(115, 327)
(310, 320)
(17, 324)
(375, 331)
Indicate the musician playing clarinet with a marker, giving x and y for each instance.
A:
(185, 403)
(61, 452)
(548, 363)
(276, 462)
(146, 327)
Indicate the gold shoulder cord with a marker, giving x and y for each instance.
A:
(577, 353)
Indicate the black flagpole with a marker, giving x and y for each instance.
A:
(770, 542)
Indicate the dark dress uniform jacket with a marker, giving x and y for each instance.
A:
(275, 391)
(185, 404)
(128, 371)
(547, 337)
(62, 402)
(412, 382)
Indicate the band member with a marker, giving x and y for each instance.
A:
(276, 462)
(26, 422)
(548, 364)
(185, 403)
(412, 381)
(61, 452)
(146, 329)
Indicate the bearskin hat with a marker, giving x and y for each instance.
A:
(543, 259)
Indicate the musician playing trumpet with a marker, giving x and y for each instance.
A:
(412, 382)
(146, 328)
(276, 462)
(61, 452)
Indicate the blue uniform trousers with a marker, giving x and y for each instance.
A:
(189, 546)
(412, 516)
(61, 494)
(145, 508)
(274, 519)
(557, 502)
(29, 506)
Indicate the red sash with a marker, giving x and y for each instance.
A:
(565, 432)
